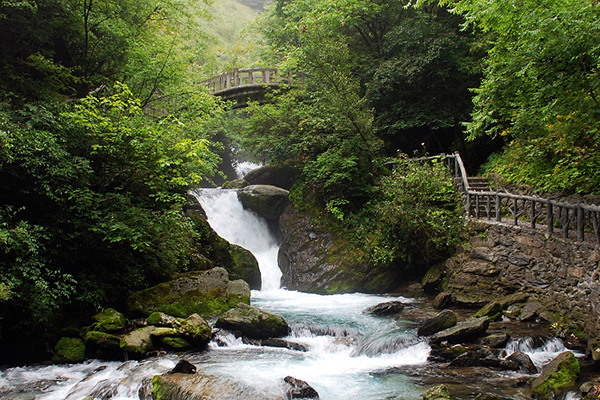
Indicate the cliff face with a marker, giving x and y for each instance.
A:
(313, 259)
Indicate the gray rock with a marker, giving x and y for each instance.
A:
(179, 386)
(282, 176)
(253, 322)
(463, 331)
(265, 200)
(298, 389)
(439, 392)
(521, 362)
(204, 293)
(442, 300)
(444, 320)
(387, 308)
(138, 342)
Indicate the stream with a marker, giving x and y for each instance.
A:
(351, 355)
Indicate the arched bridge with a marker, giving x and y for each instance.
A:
(242, 85)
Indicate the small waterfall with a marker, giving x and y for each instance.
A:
(541, 355)
(231, 221)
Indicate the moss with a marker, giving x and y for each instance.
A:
(561, 378)
(69, 350)
(109, 320)
(175, 343)
(102, 339)
(492, 310)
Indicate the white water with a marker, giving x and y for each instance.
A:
(346, 348)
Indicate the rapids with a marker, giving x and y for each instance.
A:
(348, 355)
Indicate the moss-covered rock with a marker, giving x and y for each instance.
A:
(102, 340)
(109, 320)
(282, 176)
(180, 386)
(175, 343)
(433, 280)
(137, 343)
(235, 184)
(160, 319)
(443, 320)
(205, 293)
(557, 377)
(463, 331)
(216, 251)
(69, 350)
(253, 322)
(195, 329)
(265, 200)
(439, 392)
(493, 310)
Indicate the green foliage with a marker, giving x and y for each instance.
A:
(414, 215)
(93, 193)
(540, 88)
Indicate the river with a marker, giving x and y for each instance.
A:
(351, 355)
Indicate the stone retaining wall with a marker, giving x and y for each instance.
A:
(561, 277)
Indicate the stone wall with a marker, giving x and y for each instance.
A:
(561, 277)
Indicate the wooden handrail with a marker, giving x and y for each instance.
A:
(252, 77)
(499, 206)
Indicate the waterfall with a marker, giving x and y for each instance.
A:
(232, 222)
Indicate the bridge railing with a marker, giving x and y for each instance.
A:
(252, 77)
(580, 219)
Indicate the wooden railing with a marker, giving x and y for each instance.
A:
(239, 78)
(537, 212)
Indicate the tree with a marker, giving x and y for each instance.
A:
(540, 90)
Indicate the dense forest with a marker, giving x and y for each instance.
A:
(103, 128)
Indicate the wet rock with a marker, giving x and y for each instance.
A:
(590, 390)
(315, 260)
(277, 342)
(102, 345)
(109, 320)
(265, 200)
(492, 310)
(184, 367)
(496, 340)
(476, 357)
(253, 322)
(530, 311)
(444, 352)
(387, 308)
(521, 362)
(557, 377)
(593, 350)
(444, 320)
(442, 300)
(235, 184)
(439, 392)
(433, 279)
(137, 343)
(195, 329)
(180, 386)
(464, 331)
(282, 176)
(175, 343)
(160, 319)
(298, 389)
(204, 293)
(69, 350)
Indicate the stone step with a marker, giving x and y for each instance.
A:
(479, 183)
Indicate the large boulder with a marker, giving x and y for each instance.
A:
(180, 386)
(557, 377)
(444, 320)
(265, 200)
(109, 320)
(214, 251)
(299, 389)
(253, 322)
(387, 308)
(139, 342)
(205, 293)
(282, 176)
(317, 261)
(69, 350)
(439, 392)
(463, 331)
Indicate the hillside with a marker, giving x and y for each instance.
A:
(233, 42)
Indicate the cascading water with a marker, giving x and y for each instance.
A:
(347, 352)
